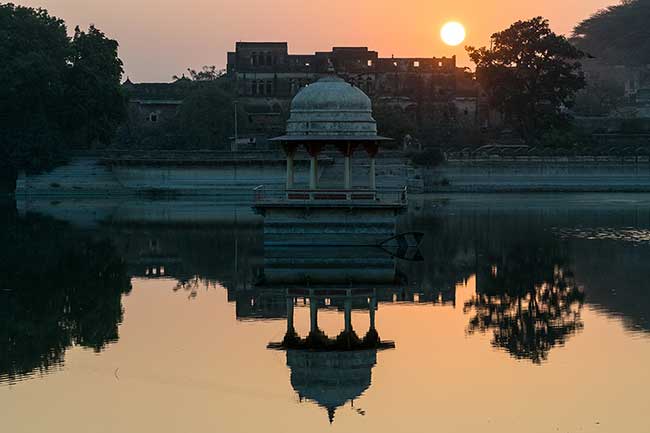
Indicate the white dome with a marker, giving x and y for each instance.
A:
(331, 108)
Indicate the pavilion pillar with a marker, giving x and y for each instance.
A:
(372, 149)
(347, 150)
(347, 181)
(373, 309)
(314, 150)
(313, 173)
(348, 314)
(372, 177)
(313, 315)
(290, 150)
(290, 171)
(290, 314)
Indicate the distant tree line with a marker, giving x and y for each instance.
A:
(56, 91)
(617, 35)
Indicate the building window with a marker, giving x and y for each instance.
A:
(269, 87)
(153, 117)
(260, 87)
(269, 59)
(254, 58)
(253, 87)
(416, 64)
(440, 64)
(369, 62)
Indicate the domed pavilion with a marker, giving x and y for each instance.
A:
(331, 113)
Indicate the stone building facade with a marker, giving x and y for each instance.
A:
(267, 77)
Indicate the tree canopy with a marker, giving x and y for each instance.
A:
(530, 74)
(55, 90)
(618, 34)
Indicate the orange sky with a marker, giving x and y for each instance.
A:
(160, 38)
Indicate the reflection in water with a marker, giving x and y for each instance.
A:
(59, 288)
(331, 371)
(528, 298)
(62, 286)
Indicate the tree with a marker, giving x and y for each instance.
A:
(94, 100)
(206, 116)
(207, 73)
(530, 74)
(617, 35)
(34, 48)
(54, 90)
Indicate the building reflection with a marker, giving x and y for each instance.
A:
(331, 370)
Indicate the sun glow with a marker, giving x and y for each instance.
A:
(452, 33)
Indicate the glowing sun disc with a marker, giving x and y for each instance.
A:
(452, 33)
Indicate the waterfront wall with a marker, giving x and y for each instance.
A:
(226, 175)
(92, 177)
(233, 180)
(577, 174)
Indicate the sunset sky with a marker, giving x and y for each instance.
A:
(160, 38)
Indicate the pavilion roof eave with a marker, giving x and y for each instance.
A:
(331, 138)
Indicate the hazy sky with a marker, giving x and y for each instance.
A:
(160, 38)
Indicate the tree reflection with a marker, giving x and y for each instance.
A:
(528, 299)
(59, 287)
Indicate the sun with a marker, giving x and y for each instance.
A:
(452, 33)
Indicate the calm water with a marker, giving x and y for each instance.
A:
(516, 314)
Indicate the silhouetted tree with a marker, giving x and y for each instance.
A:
(54, 90)
(93, 95)
(617, 34)
(529, 74)
(207, 73)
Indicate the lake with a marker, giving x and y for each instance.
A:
(516, 313)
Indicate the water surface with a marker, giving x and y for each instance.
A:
(517, 314)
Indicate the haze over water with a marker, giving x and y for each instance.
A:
(162, 324)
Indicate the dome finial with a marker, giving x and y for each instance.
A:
(330, 67)
(330, 414)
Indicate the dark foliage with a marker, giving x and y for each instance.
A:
(55, 91)
(529, 74)
(618, 35)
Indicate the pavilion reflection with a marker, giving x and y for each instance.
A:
(331, 370)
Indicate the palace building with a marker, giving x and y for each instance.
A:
(268, 77)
